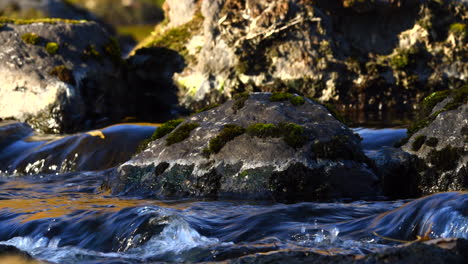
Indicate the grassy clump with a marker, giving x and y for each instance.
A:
(239, 101)
(446, 158)
(458, 29)
(52, 48)
(31, 38)
(432, 142)
(293, 134)
(206, 108)
(418, 142)
(160, 132)
(63, 74)
(6, 20)
(229, 132)
(279, 97)
(297, 100)
(263, 130)
(181, 133)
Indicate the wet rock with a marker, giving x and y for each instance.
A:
(440, 140)
(398, 171)
(60, 75)
(434, 251)
(12, 255)
(11, 131)
(260, 146)
(361, 55)
(27, 154)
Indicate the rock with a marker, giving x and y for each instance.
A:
(261, 146)
(359, 55)
(440, 140)
(33, 9)
(433, 251)
(91, 151)
(398, 171)
(60, 75)
(11, 131)
(12, 255)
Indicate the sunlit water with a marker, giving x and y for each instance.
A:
(66, 218)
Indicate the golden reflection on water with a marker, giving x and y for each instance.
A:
(40, 205)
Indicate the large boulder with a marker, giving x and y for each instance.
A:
(261, 146)
(440, 141)
(60, 75)
(361, 55)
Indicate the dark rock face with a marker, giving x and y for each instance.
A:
(11, 254)
(60, 76)
(442, 146)
(360, 55)
(12, 131)
(253, 148)
(434, 251)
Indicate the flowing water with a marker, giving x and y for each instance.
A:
(64, 217)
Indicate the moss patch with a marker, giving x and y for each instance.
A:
(229, 132)
(31, 38)
(458, 29)
(206, 108)
(418, 142)
(91, 52)
(338, 147)
(63, 74)
(279, 97)
(178, 37)
(181, 133)
(52, 48)
(160, 132)
(6, 20)
(239, 101)
(297, 100)
(293, 134)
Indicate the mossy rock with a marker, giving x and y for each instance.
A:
(239, 101)
(229, 132)
(160, 132)
(292, 134)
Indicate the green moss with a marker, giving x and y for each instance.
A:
(458, 29)
(63, 74)
(418, 142)
(338, 147)
(52, 47)
(112, 49)
(239, 101)
(263, 130)
(432, 100)
(279, 97)
(206, 108)
(6, 20)
(91, 52)
(31, 38)
(446, 158)
(335, 113)
(160, 132)
(293, 134)
(229, 132)
(178, 37)
(297, 100)
(432, 142)
(181, 133)
(399, 61)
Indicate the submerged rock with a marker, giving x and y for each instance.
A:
(440, 141)
(438, 251)
(261, 146)
(361, 55)
(60, 75)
